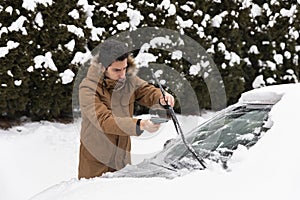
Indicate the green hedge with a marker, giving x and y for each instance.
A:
(30, 85)
(246, 41)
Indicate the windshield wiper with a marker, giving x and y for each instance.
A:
(168, 168)
(177, 125)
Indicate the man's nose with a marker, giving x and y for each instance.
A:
(122, 74)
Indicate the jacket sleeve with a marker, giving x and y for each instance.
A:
(146, 94)
(101, 117)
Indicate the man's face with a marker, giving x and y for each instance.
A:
(117, 70)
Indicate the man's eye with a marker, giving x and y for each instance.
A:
(118, 70)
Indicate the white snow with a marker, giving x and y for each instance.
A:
(232, 57)
(253, 49)
(206, 19)
(217, 20)
(81, 57)
(195, 69)
(18, 82)
(77, 31)
(135, 18)
(167, 5)
(274, 2)
(245, 3)
(287, 54)
(31, 4)
(44, 62)
(3, 30)
(288, 13)
(95, 32)
(200, 30)
(104, 9)
(271, 64)
(74, 13)
(270, 80)
(37, 156)
(278, 59)
(143, 59)
(70, 45)
(32, 153)
(186, 8)
(256, 10)
(30, 69)
(221, 47)
(294, 33)
(67, 76)
(88, 9)
(184, 23)
(176, 55)
(9, 73)
(121, 6)
(39, 19)
(9, 9)
(10, 45)
(160, 41)
(291, 76)
(123, 26)
(152, 16)
(171, 10)
(264, 95)
(18, 25)
(258, 82)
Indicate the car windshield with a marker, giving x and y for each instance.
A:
(217, 138)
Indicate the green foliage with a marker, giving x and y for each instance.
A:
(244, 40)
(41, 94)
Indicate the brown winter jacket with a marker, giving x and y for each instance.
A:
(107, 122)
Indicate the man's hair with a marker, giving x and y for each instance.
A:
(122, 57)
(112, 50)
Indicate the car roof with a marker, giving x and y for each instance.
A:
(268, 95)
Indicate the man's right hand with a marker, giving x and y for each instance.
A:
(149, 126)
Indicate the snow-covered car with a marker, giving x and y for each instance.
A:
(243, 123)
(265, 119)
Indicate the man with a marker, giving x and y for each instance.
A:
(107, 95)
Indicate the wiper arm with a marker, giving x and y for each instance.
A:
(177, 125)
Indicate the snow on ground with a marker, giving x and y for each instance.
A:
(37, 156)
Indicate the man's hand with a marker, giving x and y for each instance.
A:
(168, 98)
(149, 126)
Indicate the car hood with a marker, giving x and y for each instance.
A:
(147, 169)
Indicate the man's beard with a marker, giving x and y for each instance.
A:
(120, 84)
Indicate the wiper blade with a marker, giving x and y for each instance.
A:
(177, 125)
(168, 168)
